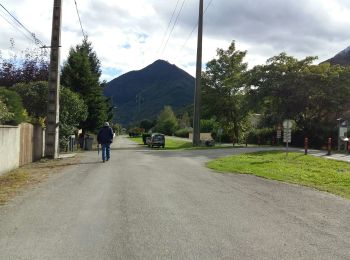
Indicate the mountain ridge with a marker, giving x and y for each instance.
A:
(142, 94)
(341, 58)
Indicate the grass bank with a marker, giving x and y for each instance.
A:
(320, 173)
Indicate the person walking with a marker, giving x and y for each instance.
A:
(105, 138)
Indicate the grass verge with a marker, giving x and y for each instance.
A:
(320, 173)
(29, 175)
(170, 144)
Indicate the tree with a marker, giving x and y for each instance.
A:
(34, 96)
(146, 124)
(167, 121)
(312, 95)
(73, 110)
(223, 90)
(14, 105)
(5, 114)
(31, 65)
(81, 73)
(185, 120)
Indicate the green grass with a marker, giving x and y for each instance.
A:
(170, 144)
(320, 173)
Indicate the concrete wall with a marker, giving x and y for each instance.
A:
(38, 142)
(9, 148)
(203, 136)
(20, 145)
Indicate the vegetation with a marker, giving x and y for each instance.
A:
(81, 73)
(34, 97)
(5, 114)
(13, 111)
(323, 174)
(167, 122)
(31, 65)
(170, 144)
(313, 96)
(73, 110)
(223, 92)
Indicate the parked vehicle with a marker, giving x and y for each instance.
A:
(157, 140)
(148, 140)
(144, 137)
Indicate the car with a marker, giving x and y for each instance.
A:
(157, 140)
(148, 140)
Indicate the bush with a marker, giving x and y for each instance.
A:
(260, 136)
(14, 105)
(184, 132)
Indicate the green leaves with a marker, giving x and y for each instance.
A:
(81, 73)
(167, 121)
(223, 92)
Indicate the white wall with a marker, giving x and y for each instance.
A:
(9, 148)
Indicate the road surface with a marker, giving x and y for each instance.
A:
(153, 204)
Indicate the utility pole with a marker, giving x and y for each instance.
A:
(52, 120)
(197, 95)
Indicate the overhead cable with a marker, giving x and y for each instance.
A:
(189, 36)
(175, 22)
(166, 31)
(33, 36)
(81, 26)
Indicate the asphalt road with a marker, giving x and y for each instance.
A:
(152, 204)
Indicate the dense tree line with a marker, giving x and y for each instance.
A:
(314, 96)
(234, 97)
(23, 91)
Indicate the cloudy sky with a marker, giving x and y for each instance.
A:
(129, 35)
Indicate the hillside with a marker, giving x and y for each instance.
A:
(342, 58)
(143, 94)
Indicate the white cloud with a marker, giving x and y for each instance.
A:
(127, 35)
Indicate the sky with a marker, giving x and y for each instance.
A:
(129, 35)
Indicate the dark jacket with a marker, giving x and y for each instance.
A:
(105, 135)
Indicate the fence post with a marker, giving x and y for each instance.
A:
(306, 144)
(329, 146)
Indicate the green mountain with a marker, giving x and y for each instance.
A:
(143, 94)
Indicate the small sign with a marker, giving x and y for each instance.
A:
(287, 131)
(279, 134)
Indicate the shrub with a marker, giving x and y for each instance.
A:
(260, 136)
(184, 132)
(14, 105)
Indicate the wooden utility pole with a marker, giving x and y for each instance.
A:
(197, 95)
(52, 120)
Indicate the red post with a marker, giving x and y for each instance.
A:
(306, 144)
(329, 146)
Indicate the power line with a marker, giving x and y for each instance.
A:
(35, 39)
(175, 22)
(189, 36)
(81, 26)
(166, 31)
(15, 27)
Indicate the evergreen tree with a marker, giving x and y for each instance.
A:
(167, 121)
(81, 73)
